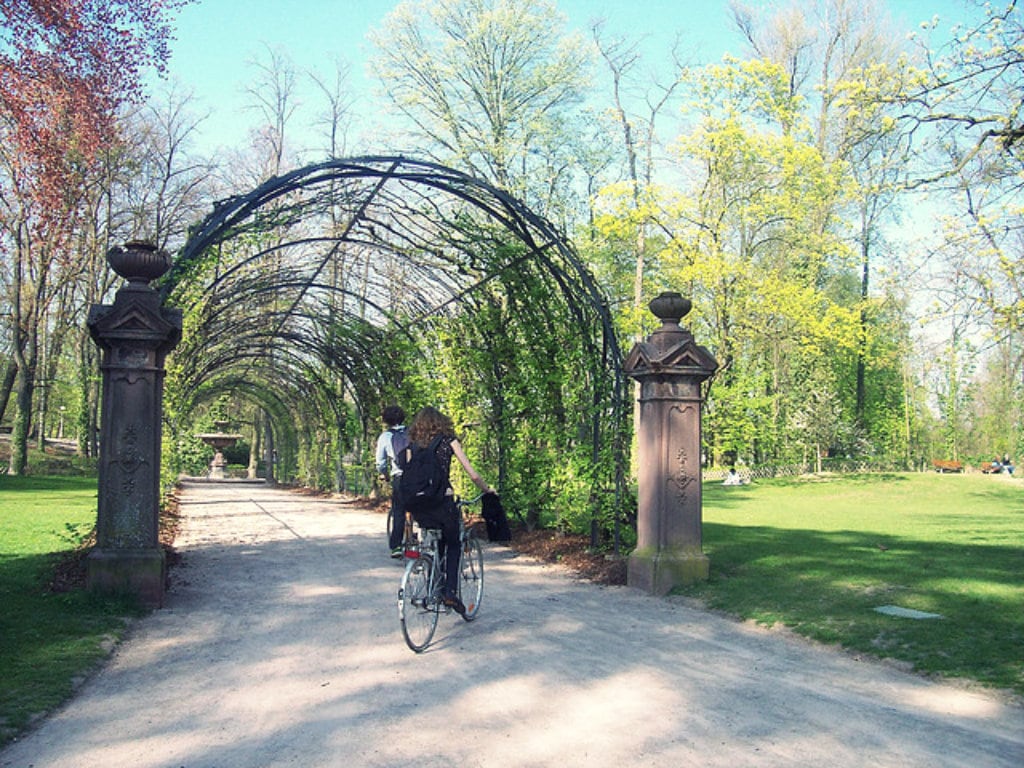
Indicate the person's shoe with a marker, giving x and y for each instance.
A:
(397, 552)
(453, 602)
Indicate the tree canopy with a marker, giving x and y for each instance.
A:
(67, 72)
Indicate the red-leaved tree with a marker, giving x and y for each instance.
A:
(67, 70)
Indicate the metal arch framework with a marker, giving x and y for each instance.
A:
(321, 262)
(346, 179)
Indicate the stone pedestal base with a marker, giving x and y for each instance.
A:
(659, 572)
(137, 572)
(217, 467)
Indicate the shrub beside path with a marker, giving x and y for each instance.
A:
(279, 645)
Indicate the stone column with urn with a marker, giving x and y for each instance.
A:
(135, 333)
(670, 367)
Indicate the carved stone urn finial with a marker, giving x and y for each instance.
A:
(670, 307)
(138, 262)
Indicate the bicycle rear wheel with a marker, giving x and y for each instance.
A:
(417, 606)
(471, 577)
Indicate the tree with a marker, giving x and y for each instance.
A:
(961, 105)
(965, 107)
(272, 96)
(839, 57)
(998, 414)
(67, 69)
(817, 421)
(638, 133)
(487, 84)
(149, 184)
(746, 238)
(167, 185)
(970, 92)
(335, 119)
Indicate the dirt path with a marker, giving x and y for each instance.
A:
(279, 646)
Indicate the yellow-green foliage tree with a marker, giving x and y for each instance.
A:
(755, 238)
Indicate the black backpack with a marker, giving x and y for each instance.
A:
(399, 442)
(424, 481)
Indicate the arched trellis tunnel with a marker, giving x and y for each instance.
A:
(329, 290)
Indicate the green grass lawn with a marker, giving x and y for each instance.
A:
(48, 641)
(818, 555)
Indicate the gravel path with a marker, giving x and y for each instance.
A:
(279, 645)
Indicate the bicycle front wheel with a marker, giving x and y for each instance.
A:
(417, 605)
(471, 577)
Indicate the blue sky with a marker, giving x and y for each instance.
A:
(216, 39)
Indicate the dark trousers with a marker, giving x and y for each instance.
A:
(446, 518)
(397, 514)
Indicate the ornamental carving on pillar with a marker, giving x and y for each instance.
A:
(131, 458)
(684, 474)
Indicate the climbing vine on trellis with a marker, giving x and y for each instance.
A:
(330, 291)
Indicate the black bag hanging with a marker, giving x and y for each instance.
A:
(424, 481)
(495, 519)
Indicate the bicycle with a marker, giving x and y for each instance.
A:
(420, 600)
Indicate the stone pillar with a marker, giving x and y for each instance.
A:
(135, 333)
(670, 367)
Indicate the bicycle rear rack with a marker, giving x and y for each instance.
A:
(429, 540)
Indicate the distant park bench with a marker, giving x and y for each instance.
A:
(989, 468)
(945, 465)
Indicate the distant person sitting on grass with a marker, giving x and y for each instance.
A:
(733, 478)
(1007, 464)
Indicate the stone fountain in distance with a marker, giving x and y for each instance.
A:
(219, 441)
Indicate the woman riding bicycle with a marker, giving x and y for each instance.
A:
(429, 424)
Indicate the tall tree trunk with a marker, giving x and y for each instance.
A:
(268, 448)
(256, 446)
(6, 386)
(85, 377)
(23, 388)
(43, 400)
(25, 358)
(861, 407)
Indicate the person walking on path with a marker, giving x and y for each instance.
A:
(431, 428)
(390, 444)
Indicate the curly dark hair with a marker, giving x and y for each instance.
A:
(393, 415)
(428, 424)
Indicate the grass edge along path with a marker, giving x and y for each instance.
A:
(50, 641)
(820, 554)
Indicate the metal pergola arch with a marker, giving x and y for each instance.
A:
(361, 246)
(229, 216)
